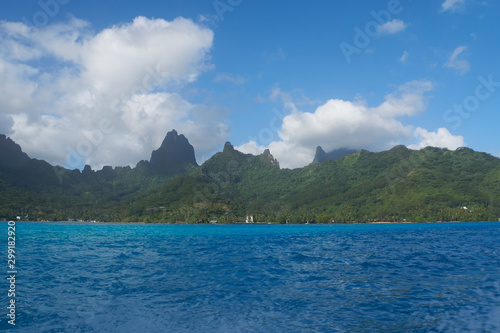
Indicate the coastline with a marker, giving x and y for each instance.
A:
(255, 223)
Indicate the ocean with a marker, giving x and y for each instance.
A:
(77, 277)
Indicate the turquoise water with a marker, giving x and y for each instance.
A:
(254, 278)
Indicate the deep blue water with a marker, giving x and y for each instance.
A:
(254, 278)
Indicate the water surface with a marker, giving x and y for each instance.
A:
(256, 278)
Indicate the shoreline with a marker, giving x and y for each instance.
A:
(255, 223)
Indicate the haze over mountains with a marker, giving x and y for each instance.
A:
(322, 156)
(344, 186)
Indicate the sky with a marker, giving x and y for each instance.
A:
(102, 82)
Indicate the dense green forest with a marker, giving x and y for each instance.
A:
(395, 185)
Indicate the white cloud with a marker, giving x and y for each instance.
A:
(404, 57)
(16, 87)
(5, 124)
(345, 124)
(104, 96)
(227, 77)
(442, 139)
(251, 147)
(290, 100)
(274, 56)
(278, 95)
(460, 65)
(452, 5)
(392, 27)
(334, 125)
(406, 101)
(260, 99)
(174, 49)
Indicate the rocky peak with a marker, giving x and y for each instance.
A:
(87, 170)
(174, 154)
(267, 158)
(320, 155)
(228, 147)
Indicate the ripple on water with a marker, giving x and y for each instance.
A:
(159, 278)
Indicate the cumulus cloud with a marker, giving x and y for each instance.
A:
(392, 27)
(442, 138)
(347, 124)
(452, 5)
(251, 147)
(460, 65)
(68, 93)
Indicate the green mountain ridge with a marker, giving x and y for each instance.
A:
(400, 184)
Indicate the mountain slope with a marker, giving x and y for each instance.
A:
(52, 192)
(428, 185)
(395, 185)
(19, 170)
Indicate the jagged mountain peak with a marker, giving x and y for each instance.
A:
(173, 137)
(174, 154)
(322, 156)
(267, 158)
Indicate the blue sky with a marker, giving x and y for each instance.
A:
(101, 83)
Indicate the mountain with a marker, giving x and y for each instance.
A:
(55, 193)
(174, 155)
(322, 156)
(12, 155)
(400, 184)
(267, 158)
(218, 188)
(19, 169)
